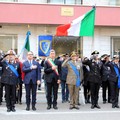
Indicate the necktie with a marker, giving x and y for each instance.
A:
(30, 62)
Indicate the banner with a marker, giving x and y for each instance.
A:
(44, 44)
(26, 48)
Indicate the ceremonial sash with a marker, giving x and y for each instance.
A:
(118, 75)
(51, 63)
(76, 73)
(13, 69)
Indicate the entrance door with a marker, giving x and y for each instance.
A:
(64, 45)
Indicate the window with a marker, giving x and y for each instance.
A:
(8, 0)
(114, 2)
(73, 2)
(56, 1)
(65, 1)
(8, 42)
(115, 45)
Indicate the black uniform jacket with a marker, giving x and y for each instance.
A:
(95, 71)
(49, 73)
(8, 76)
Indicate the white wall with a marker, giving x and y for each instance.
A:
(101, 41)
(20, 31)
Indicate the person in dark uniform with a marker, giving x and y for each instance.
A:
(32, 78)
(94, 78)
(113, 80)
(86, 84)
(10, 75)
(19, 86)
(105, 76)
(52, 68)
(1, 84)
(1, 90)
(63, 77)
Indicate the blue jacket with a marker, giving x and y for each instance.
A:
(31, 74)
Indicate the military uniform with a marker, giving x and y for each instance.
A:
(10, 80)
(105, 78)
(1, 84)
(71, 80)
(94, 79)
(113, 81)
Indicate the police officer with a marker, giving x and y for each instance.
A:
(10, 75)
(94, 78)
(1, 85)
(86, 84)
(113, 80)
(105, 76)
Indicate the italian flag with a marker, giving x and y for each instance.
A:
(82, 26)
(26, 48)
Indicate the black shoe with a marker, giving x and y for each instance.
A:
(0, 103)
(71, 107)
(55, 107)
(20, 102)
(97, 106)
(48, 107)
(68, 101)
(113, 106)
(79, 104)
(93, 106)
(63, 101)
(86, 102)
(8, 109)
(28, 108)
(76, 107)
(33, 108)
(104, 102)
(13, 110)
(117, 106)
(109, 101)
(39, 88)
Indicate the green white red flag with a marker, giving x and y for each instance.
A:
(82, 26)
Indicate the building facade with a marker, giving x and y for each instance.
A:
(42, 17)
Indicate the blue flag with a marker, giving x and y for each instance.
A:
(44, 45)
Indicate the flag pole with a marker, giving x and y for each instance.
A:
(92, 45)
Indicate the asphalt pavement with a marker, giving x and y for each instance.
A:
(63, 113)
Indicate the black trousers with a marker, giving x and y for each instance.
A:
(31, 89)
(87, 91)
(52, 93)
(19, 94)
(1, 91)
(105, 87)
(114, 92)
(10, 91)
(94, 89)
(65, 91)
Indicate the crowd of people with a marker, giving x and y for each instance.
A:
(69, 71)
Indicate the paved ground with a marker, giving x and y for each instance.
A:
(63, 113)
